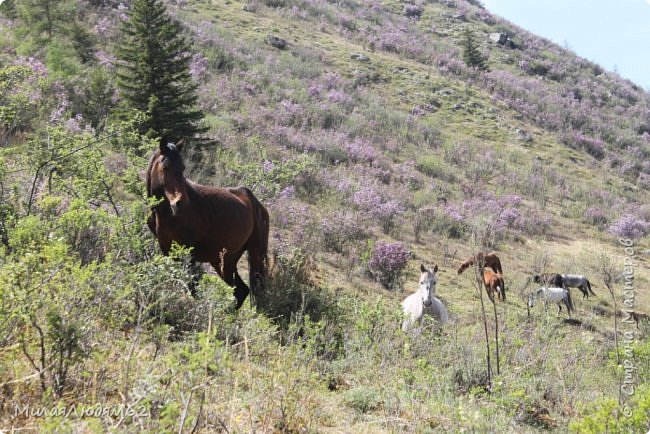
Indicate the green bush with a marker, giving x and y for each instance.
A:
(606, 415)
(363, 399)
(434, 167)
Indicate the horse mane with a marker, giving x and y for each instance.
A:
(148, 175)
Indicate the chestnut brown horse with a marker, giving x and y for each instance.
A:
(494, 284)
(219, 224)
(488, 260)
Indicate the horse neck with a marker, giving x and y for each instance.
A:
(148, 176)
(190, 188)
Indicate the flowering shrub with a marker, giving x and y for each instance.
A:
(361, 151)
(595, 216)
(105, 59)
(103, 26)
(339, 229)
(385, 211)
(630, 226)
(198, 66)
(387, 262)
(290, 113)
(338, 97)
(22, 93)
(74, 124)
(534, 222)
(593, 146)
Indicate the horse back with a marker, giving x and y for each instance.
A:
(573, 279)
(490, 276)
(220, 203)
(215, 219)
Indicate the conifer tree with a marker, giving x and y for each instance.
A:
(154, 75)
(8, 9)
(44, 20)
(471, 54)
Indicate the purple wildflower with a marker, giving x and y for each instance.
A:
(387, 263)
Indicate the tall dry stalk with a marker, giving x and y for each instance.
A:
(607, 274)
(478, 286)
(496, 334)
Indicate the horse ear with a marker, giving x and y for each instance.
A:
(180, 144)
(435, 268)
(423, 268)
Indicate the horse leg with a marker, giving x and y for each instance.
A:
(257, 249)
(406, 325)
(151, 221)
(196, 272)
(241, 290)
(488, 290)
(257, 269)
(226, 268)
(231, 276)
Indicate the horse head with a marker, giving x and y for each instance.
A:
(531, 300)
(427, 286)
(165, 176)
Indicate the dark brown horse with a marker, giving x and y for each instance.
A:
(219, 224)
(549, 279)
(494, 284)
(488, 260)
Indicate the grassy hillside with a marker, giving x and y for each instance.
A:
(375, 149)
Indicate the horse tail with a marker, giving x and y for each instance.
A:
(503, 288)
(497, 265)
(258, 243)
(589, 287)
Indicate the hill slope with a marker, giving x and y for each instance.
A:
(367, 129)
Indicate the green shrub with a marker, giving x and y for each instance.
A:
(607, 416)
(291, 294)
(363, 399)
(434, 167)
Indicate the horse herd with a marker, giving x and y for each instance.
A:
(555, 289)
(220, 224)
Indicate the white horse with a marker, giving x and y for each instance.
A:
(578, 281)
(423, 301)
(552, 295)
